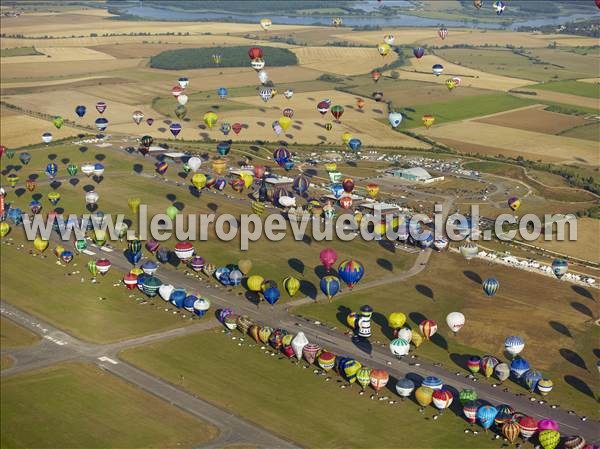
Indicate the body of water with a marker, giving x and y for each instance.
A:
(398, 20)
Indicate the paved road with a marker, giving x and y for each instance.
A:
(57, 346)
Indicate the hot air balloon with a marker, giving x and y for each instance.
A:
(514, 203)
(284, 122)
(310, 352)
(201, 305)
(383, 48)
(455, 321)
(518, 367)
(549, 439)
(474, 364)
(502, 371)
(499, 7)
(58, 121)
(236, 127)
(351, 272)
(291, 285)
(531, 378)
(485, 416)
(175, 129)
(80, 110)
(478, 3)
(442, 399)
(288, 94)
(575, 442)
(47, 138)
(428, 120)
(254, 283)
(490, 286)
(424, 396)
(451, 84)
(337, 111)
(528, 426)
(180, 112)
(428, 328)
(379, 379)
(437, 69)
(375, 74)
(443, 32)
(184, 251)
(510, 430)
(263, 77)
(545, 386)
(377, 95)
(101, 124)
(326, 361)
(354, 144)
(199, 181)
(399, 347)
(51, 170)
(328, 258)
(210, 118)
(266, 93)
(488, 365)
(418, 52)
(330, 286)
(395, 118)
(137, 117)
(404, 387)
(265, 24)
(470, 411)
(24, 158)
(559, 267)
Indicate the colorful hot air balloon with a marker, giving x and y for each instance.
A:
(443, 32)
(485, 416)
(383, 48)
(518, 367)
(175, 129)
(499, 6)
(514, 203)
(379, 379)
(510, 430)
(528, 427)
(418, 52)
(442, 399)
(326, 361)
(330, 286)
(545, 386)
(399, 347)
(549, 439)
(328, 257)
(490, 286)
(351, 272)
(337, 111)
(437, 69)
(531, 378)
(424, 396)
(428, 328)
(428, 120)
(488, 365)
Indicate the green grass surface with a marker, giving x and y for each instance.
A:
(6, 362)
(14, 336)
(505, 62)
(572, 87)
(446, 286)
(590, 131)
(292, 400)
(461, 108)
(80, 406)
(18, 51)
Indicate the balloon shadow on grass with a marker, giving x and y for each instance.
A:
(194, 191)
(88, 188)
(138, 168)
(385, 264)
(362, 344)
(308, 289)
(52, 156)
(320, 271)
(65, 160)
(179, 205)
(54, 185)
(387, 245)
(460, 360)
(213, 207)
(74, 181)
(573, 358)
(83, 149)
(471, 275)
(582, 308)
(381, 320)
(20, 192)
(100, 157)
(583, 292)
(342, 314)
(252, 297)
(440, 341)
(560, 328)
(296, 265)
(36, 196)
(416, 317)
(579, 385)
(171, 197)
(425, 291)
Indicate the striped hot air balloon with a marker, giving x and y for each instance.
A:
(363, 377)
(490, 286)
(513, 345)
(326, 361)
(470, 411)
(528, 427)
(310, 352)
(151, 286)
(432, 382)
(545, 386)
(399, 347)
(442, 399)
(510, 430)
(428, 328)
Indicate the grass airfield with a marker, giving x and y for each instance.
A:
(487, 115)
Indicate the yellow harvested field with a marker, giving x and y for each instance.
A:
(32, 71)
(516, 140)
(420, 70)
(50, 83)
(73, 24)
(63, 103)
(340, 60)
(458, 36)
(559, 97)
(20, 130)
(59, 54)
(586, 247)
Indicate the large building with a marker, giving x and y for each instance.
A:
(416, 174)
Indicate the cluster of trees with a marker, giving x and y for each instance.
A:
(198, 58)
(589, 28)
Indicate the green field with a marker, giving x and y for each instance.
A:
(6, 362)
(18, 51)
(571, 87)
(447, 285)
(283, 392)
(199, 58)
(15, 336)
(505, 62)
(460, 109)
(591, 131)
(80, 406)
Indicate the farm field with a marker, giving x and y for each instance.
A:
(449, 284)
(505, 62)
(516, 140)
(60, 54)
(536, 119)
(549, 96)
(253, 376)
(586, 247)
(13, 127)
(81, 402)
(591, 131)
(348, 61)
(591, 90)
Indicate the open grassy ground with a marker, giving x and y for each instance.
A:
(15, 336)
(586, 247)
(515, 140)
(83, 406)
(460, 108)
(18, 51)
(535, 118)
(591, 131)
(6, 362)
(449, 283)
(60, 54)
(285, 392)
(342, 61)
(420, 70)
(505, 62)
(548, 96)
(571, 87)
